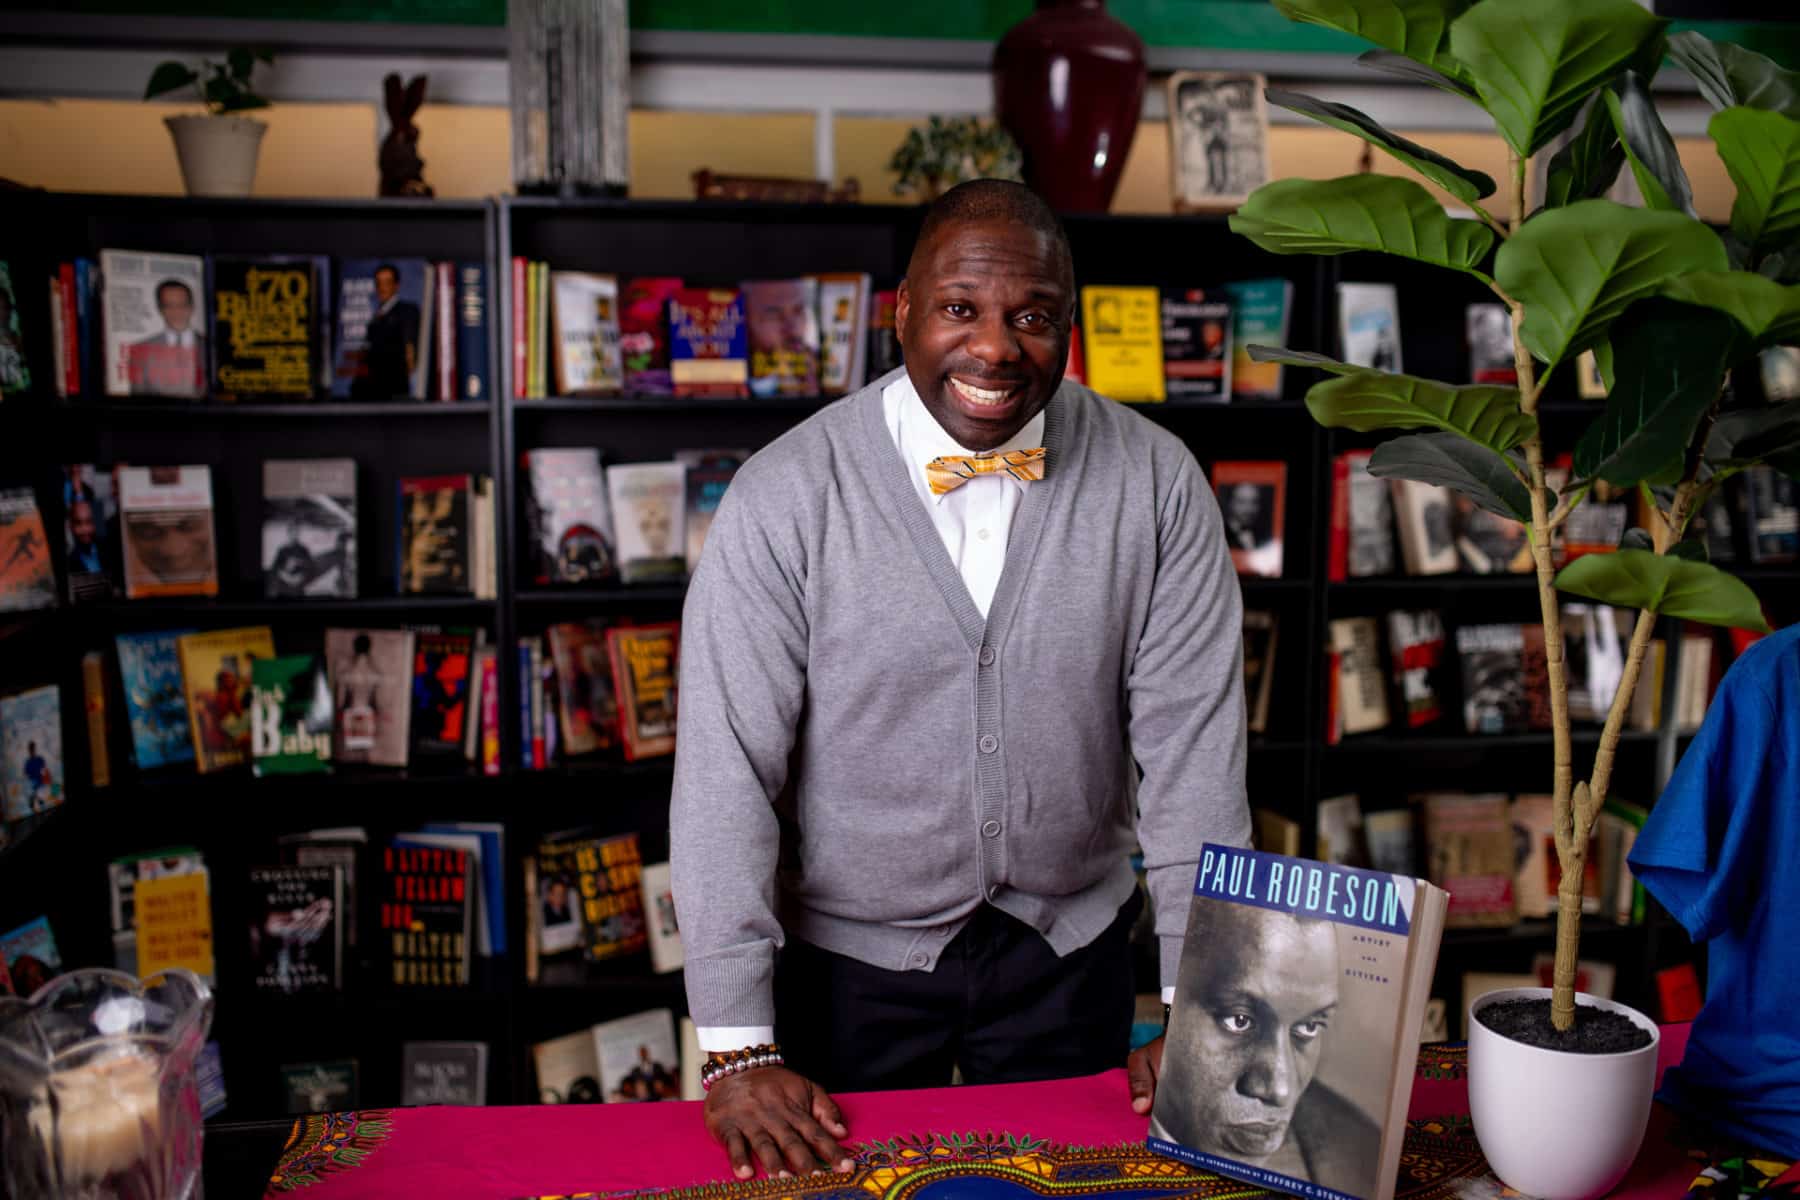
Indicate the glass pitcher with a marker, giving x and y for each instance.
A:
(98, 1098)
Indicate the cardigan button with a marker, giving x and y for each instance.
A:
(990, 829)
(986, 657)
(989, 743)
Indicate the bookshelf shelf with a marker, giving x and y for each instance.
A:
(1435, 583)
(1375, 743)
(649, 593)
(298, 410)
(200, 607)
(639, 403)
(1534, 931)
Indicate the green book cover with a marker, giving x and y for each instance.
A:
(291, 700)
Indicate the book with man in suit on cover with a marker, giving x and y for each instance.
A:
(1289, 1056)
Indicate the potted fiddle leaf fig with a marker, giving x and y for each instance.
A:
(217, 149)
(1671, 308)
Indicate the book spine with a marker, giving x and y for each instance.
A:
(71, 342)
(540, 757)
(540, 333)
(471, 333)
(93, 688)
(1338, 556)
(472, 706)
(534, 349)
(57, 336)
(444, 326)
(527, 742)
(518, 329)
(86, 293)
(490, 715)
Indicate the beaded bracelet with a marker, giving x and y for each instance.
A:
(719, 1064)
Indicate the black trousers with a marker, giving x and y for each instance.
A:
(1000, 1004)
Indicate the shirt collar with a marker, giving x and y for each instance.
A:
(923, 439)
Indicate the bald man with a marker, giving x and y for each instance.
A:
(956, 644)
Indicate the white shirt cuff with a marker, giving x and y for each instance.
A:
(720, 1038)
(1168, 995)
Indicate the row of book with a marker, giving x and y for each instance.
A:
(246, 327)
(580, 333)
(1391, 526)
(147, 532)
(1495, 854)
(441, 1072)
(1502, 674)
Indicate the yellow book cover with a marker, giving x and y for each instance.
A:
(215, 676)
(1122, 331)
(533, 351)
(174, 924)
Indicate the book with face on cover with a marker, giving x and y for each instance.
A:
(649, 512)
(217, 670)
(155, 323)
(638, 1058)
(585, 319)
(783, 320)
(1288, 1062)
(166, 516)
(31, 732)
(309, 527)
(91, 533)
(1253, 499)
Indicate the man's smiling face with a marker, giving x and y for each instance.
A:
(984, 318)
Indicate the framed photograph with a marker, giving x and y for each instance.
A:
(1218, 139)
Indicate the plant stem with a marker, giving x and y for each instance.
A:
(1530, 389)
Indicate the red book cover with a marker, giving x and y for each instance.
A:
(1076, 369)
(444, 331)
(1337, 566)
(644, 334)
(518, 329)
(71, 353)
(490, 714)
(1678, 991)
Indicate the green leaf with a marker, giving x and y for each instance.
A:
(1392, 63)
(1360, 212)
(1368, 400)
(1603, 362)
(1587, 164)
(1450, 460)
(1761, 152)
(1671, 361)
(1576, 268)
(242, 101)
(1746, 436)
(1419, 29)
(1535, 62)
(1648, 147)
(1691, 549)
(241, 61)
(1666, 585)
(1302, 358)
(167, 77)
(1465, 184)
(1768, 312)
(1730, 75)
(219, 90)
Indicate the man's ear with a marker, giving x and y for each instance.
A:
(902, 309)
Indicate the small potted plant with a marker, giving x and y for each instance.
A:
(218, 149)
(948, 151)
(1559, 1083)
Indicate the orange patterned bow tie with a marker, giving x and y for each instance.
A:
(950, 472)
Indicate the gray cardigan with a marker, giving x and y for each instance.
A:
(861, 759)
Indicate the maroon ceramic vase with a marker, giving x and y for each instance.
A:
(1068, 86)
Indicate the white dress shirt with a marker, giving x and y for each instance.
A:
(974, 520)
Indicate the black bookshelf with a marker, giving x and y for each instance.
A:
(56, 863)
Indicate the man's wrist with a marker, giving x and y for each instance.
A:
(718, 1038)
(720, 1064)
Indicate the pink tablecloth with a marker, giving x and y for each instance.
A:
(504, 1153)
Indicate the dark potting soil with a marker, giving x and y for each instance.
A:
(1596, 1031)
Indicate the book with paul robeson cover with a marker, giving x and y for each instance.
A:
(1289, 1056)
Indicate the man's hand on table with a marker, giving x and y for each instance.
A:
(778, 1119)
(1142, 1070)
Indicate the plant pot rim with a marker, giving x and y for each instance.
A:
(185, 118)
(1543, 993)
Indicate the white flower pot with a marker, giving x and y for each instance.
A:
(1555, 1125)
(218, 154)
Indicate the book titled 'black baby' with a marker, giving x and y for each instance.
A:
(1289, 1057)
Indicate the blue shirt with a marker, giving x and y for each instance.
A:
(1720, 852)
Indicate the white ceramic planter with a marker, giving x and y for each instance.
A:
(1554, 1125)
(218, 154)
